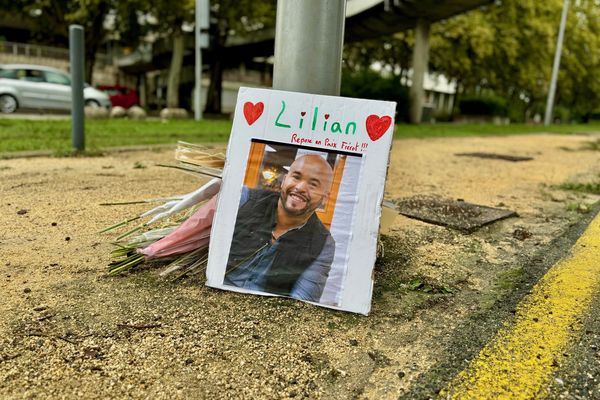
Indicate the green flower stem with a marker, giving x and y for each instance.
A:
(110, 228)
(130, 232)
(135, 261)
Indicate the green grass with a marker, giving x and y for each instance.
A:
(590, 187)
(464, 130)
(55, 135)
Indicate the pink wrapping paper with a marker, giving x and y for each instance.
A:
(191, 235)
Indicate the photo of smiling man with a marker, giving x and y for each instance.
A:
(282, 242)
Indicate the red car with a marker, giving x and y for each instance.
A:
(121, 95)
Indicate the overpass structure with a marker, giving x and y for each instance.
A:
(367, 19)
(364, 19)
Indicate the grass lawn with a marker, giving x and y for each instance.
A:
(55, 135)
(452, 130)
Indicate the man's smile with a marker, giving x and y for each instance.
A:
(297, 202)
(298, 197)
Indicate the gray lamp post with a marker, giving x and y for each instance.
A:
(556, 65)
(309, 36)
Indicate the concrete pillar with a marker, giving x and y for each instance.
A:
(419, 66)
(309, 36)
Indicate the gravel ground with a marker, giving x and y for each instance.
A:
(69, 331)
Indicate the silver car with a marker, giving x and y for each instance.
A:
(35, 86)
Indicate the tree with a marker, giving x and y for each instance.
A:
(506, 49)
(392, 53)
(228, 18)
(232, 18)
(579, 78)
(50, 21)
(170, 17)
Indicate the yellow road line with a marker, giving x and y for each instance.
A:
(519, 361)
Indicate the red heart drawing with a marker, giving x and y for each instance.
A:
(252, 112)
(303, 113)
(377, 126)
(326, 116)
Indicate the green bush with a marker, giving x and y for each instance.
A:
(443, 116)
(483, 106)
(371, 85)
(593, 116)
(561, 114)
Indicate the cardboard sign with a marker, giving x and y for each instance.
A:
(298, 212)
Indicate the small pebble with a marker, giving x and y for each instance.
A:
(22, 212)
(521, 234)
(26, 290)
(68, 238)
(558, 197)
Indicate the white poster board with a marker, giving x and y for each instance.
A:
(299, 208)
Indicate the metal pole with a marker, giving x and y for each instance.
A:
(76, 57)
(198, 71)
(202, 22)
(309, 36)
(556, 65)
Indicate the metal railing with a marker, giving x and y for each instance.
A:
(39, 51)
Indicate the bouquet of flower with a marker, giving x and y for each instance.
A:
(177, 231)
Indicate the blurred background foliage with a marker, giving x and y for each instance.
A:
(501, 56)
(501, 53)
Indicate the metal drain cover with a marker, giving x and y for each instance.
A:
(494, 156)
(460, 215)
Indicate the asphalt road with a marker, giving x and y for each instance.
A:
(575, 371)
(45, 116)
(579, 376)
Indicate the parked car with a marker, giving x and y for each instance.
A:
(120, 95)
(35, 86)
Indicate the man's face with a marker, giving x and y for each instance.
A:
(306, 186)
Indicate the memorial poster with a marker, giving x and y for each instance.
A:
(299, 208)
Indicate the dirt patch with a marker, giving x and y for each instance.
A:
(66, 330)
